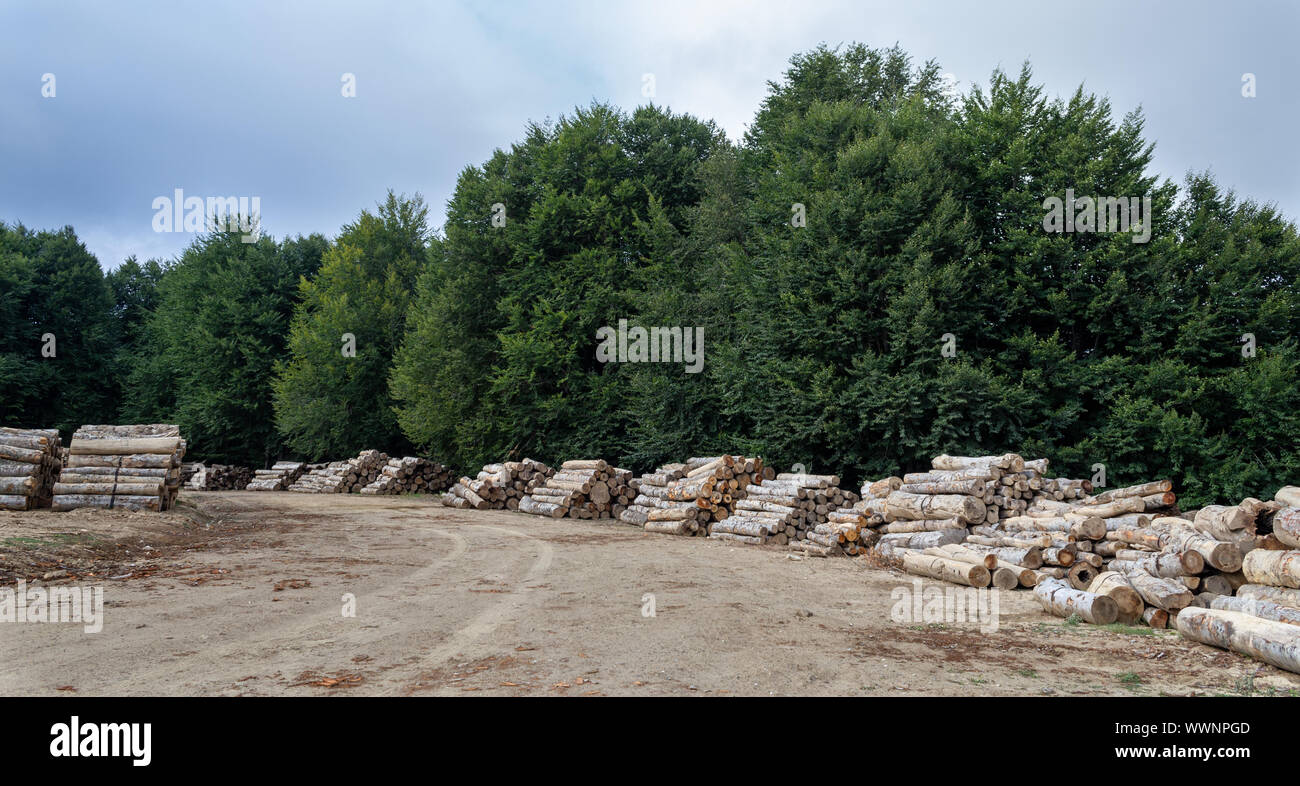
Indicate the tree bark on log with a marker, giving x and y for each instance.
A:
(1162, 593)
(1060, 599)
(946, 569)
(1273, 568)
(1286, 527)
(1289, 496)
(934, 506)
(1116, 586)
(1257, 608)
(1275, 643)
(65, 502)
(1279, 595)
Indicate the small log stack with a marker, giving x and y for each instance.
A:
(794, 509)
(1124, 555)
(131, 467)
(342, 477)
(585, 489)
(651, 496)
(219, 477)
(189, 470)
(410, 475)
(713, 485)
(279, 477)
(30, 461)
(498, 486)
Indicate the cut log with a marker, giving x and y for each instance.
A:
(1062, 600)
(1286, 527)
(1274, 568)
(1275, 643)
(1288, 496)
(1280, 595)
(1116, 586)
(1162, 593)
(934, 506)
(946, 569)
(1257, 608)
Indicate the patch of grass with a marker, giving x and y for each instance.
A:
(19, 542)
(1030, 673)
(1129, 630)
(1072, 621)
(1130, 679)
(48, 541)
(978, 681)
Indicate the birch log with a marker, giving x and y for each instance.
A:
(1274, 568)
(1275, 643)
(1062, 600)
(946, 569)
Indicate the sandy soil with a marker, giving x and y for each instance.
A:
(243, 593)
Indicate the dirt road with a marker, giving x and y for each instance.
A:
(245, 593)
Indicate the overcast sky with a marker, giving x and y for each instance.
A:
(244, 99)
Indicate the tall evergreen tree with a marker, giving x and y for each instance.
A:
(220, 324)
(331, 394)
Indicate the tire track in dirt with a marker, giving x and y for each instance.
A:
(485, 621)
(269, 634)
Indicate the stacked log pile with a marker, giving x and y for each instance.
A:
(189, 470)
(410, 475)
(30, 461)
(342, 477)
(131, 467)
(685, 499)
(1224, 575)
(793, 509)
(651, 494)
(589, 489)
(279, 477)
(320, 479)
(219, 477)
(498, 486)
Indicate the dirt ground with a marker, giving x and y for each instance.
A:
(243, 593)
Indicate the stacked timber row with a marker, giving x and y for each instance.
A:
(1260, 616)
(189, 470)
(279, 477)
(793, 509)
(320, 478)
(710, 487)
(498, 486)
(132, 467)
(651, 494)
(410, 475)
(219, 477)
(30, 460)
(581, 490)
(342, 477)
(935, 508)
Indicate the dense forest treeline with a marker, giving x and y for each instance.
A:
(822, 343)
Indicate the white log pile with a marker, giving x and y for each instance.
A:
(581, 489)
(498, 486)
(190, 469)
(341, 477)
(30, 461)
(713, 485)
(409, 475)
(219, 477)
(1227, 575)
(650, 494)
(279, 477)
(133, 467)
(794, 510)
